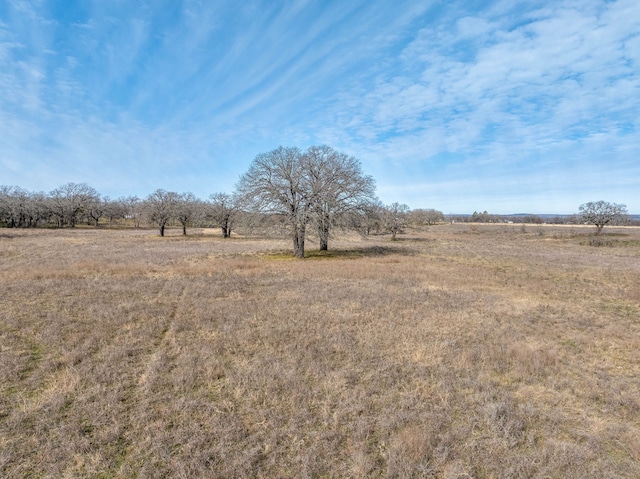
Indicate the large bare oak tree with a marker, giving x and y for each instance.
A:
(317, 185)
(337, 186)
(601, 213)
(277, 183)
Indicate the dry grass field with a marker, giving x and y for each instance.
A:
(489, 351)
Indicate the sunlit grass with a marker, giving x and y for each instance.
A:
(449, 353)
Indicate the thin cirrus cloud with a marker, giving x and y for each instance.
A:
(500, 107)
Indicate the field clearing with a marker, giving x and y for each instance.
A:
(483, 351)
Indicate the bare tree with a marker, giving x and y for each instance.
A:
(601, 213)
(223, 209)
(370, 216)
(115, 209)
(395, 218)
(160, 207)
(38, 210)
(6, 213)
(336, 185)
(483, 217)
(427, 217)
(70, 200)
(15, 205)
(20, 208)
(531, 219)
(252, 222)
(96, 209)
(186, 210)
(276, 182)
(133, 206)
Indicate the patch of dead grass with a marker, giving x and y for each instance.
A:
(446, 354)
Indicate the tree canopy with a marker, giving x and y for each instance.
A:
(601, 213)
(317, 185)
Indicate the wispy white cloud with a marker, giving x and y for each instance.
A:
(509, 89)
(524, 100)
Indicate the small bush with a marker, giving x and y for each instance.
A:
(598, 241)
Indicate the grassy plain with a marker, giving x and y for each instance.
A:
(490, 351)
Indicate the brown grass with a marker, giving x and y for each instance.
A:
(454, 353)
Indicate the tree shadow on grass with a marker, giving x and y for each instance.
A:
(413, 239)
(356, 253)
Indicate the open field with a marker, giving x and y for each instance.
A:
(482, 351)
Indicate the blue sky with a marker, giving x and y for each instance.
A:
(504, 106)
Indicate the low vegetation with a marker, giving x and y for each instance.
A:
(455, 352)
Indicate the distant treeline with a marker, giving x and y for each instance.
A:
(572, 219)
(485, 217)
(79, 204)
(75, 204)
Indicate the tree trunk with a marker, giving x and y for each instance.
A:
(162, 229)
(323, 235)
(226, 232)
(298, 241)
(324, 244)
(184, 229)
